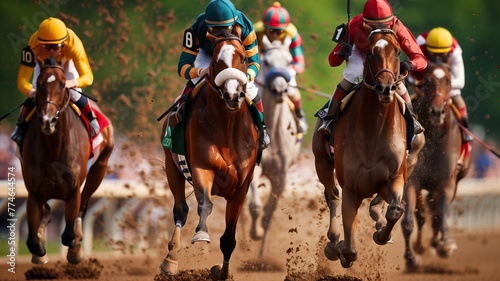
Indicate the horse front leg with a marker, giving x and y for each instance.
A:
(255, 207)
(73, 234)
(228, 239)
(347, 247)
(446, 245)
(38, 217)
(332, 199)
(393, 195)
(407, 225)
(420, 215)
(278, 183)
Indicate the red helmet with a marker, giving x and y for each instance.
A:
(276, 17)
(377, 11)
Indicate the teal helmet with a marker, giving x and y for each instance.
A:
(220, 13)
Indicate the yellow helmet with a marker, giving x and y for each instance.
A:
(439, 40)
(52, 31)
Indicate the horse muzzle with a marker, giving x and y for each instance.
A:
(48, 124)
(385, 92)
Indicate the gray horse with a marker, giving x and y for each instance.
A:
(273, 81)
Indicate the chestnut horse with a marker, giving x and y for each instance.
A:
(55, 156)
(370, 148)
(221, 145)
(438, 170)
(273, 78)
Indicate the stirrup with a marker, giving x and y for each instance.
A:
(466, 137)
(17, 135)
(94, 128)
(417, 127)
(265, 141)
(325, 127)
(302, 125)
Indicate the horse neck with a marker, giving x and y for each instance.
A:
(372, 114)
(56, 142)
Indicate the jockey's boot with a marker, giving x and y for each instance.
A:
(333, 107)
(21, 123)
(327, 125)
(264, 139)
(87, 111)
(302, 124)
(175, 116)
(466, 138)
(417, 127)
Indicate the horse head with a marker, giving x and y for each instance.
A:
(52, 97)
(437, 88)
(381, 69)
(276, 66)
(228, 69)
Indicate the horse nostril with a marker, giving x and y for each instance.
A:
(379, 88)
(393, 88)
(53, 121)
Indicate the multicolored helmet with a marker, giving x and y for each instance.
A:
(439, 40)
(276, 17)
(52, 31)
(377, 11)
(220, 13)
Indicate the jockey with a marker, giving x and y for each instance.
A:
(438, 45)
(377, 14)
(54, 39)
(275, 24)
(195, 58)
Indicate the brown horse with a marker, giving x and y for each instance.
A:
(276, 61)
(55, 155)
(438, 170)
(370, 152)
(221, 150)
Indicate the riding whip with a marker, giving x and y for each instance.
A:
(477, 139)
(8, 113)
(85, 95)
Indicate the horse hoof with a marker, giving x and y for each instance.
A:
(216, 271)
(413, 263)
(446, 249)
(331, 252)
(39, 260)
(345, 263)
(169, 267)
(75, 255)
(379, 241)
(200, 236)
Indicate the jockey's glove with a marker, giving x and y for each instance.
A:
(346, 50)
(405, 66)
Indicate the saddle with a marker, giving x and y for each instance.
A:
(174, 136)
(345, 102)
(101, 119)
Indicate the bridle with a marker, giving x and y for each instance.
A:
(217, 41)
(396, 76)
(60, 109)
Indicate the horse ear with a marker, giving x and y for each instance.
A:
(395, 27)
(40, 61)
(211, 37)
(266, 42)
(237, 30)
(368, 29)
(287, 41)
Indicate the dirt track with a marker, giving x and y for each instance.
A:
(297, 240)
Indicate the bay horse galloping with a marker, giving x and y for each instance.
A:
(221, 146)
(55, 155)
(370, 151)
(438, 169)
(276, 62)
